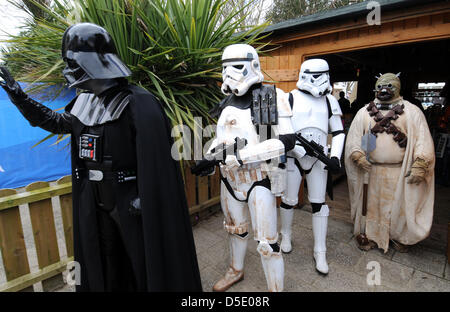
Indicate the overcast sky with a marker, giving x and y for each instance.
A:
(10, 20)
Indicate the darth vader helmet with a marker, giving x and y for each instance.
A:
(90, 54)
(314, 77)
(241, 69)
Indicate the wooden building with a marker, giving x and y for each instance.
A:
(413, 38)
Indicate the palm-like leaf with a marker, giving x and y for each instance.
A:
(173, 47)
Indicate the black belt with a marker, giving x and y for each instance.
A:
(264, 182)
(96, 175)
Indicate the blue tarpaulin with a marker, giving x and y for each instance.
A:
(22, 164)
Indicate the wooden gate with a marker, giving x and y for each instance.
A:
(42, 199)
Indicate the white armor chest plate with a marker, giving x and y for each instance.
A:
(234, 122)
(309, 112)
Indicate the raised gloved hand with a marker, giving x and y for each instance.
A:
(36, 113)
(418, 172)
(204, 172)
(360, 160)
(11, 86)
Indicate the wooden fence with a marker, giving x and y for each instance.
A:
(201, 193)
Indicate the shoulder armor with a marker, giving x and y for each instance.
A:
(334, 105)
(217, 109)
(283, 104)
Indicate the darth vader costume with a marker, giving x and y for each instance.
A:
(132, 229)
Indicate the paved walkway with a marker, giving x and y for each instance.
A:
(419, 270)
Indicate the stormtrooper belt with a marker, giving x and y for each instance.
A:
(264, 182)
(112, 176)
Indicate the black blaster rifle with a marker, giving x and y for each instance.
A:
(217, 155)
(316, 150)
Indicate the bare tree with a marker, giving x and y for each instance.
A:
(282, 10)
(252, 12)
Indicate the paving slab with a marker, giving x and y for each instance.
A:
(204, 238)
(419, 270)
(447, 271)
(393, 275)
(341, 279)
(422, 260)
(303, 218)
(209, 277)
(344, 254)
(424, 282)
(293, 284)
(300, 264)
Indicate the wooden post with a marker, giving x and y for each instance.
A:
(44, 231)
(214, 181)
(202, 186)
(67, 215)
(12, 243)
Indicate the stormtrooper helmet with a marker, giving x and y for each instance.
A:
(241, 69)
(314, 77)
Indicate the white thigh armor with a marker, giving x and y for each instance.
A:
(294, 180)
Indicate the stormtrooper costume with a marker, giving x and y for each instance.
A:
(253, 176)
(315, 113)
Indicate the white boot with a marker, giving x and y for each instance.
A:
(235, 273)
(273, 266)
(286, 216)
(319, 226)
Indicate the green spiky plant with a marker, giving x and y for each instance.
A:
(173, 47)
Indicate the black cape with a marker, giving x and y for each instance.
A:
(160, 243)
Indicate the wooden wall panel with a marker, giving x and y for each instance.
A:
(202, 189)
(44, 230)
(12, 243)
(67, 216)
(214, 181)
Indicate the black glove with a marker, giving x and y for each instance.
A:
(205, 172)
(36, 113)
(336, 168)
(11, 86)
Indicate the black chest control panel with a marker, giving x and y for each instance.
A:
(90, 147)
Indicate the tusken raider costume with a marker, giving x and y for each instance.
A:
(389, 160)
(132, 229)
